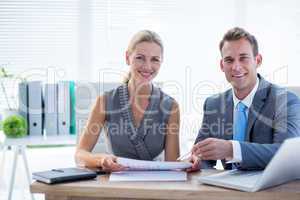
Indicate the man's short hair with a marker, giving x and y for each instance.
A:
(237, 33)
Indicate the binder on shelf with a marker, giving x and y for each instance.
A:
(23, 101)
(73, 111)
(64, 108)
(35, 108)
(51, 109)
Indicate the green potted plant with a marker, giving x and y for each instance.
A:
(13, 124)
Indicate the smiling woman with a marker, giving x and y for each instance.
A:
(144, 54)
(140, 120)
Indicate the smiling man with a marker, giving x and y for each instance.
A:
(256, 116)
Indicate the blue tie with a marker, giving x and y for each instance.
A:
(240, 122)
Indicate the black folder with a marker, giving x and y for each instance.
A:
(64, 175)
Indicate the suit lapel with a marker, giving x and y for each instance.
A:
(257, 104)
(228, 116)
(227, 113)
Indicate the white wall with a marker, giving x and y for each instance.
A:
(86, 40)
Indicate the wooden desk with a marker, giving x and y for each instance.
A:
(101, 188)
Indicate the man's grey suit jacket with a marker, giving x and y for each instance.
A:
(273, 116)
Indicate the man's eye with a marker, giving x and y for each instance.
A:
(244, 58)
(229, 61)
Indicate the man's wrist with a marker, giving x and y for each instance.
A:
(229, 151)
(236, 152)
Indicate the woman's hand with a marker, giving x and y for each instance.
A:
(196, 163)
(109, 163)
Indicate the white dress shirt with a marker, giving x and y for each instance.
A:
(247, 101)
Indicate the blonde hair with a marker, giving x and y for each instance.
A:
(143, 36)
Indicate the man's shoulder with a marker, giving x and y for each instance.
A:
(278, 94)
(219, 98)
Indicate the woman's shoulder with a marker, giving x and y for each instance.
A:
(112, 97)
(113, 91)
(166, 100)
(107, 95)
(165, 96)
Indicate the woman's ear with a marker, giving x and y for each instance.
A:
(127, 55)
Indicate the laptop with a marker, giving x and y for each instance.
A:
(283, 167)
(64, 175)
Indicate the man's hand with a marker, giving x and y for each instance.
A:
(213, 149)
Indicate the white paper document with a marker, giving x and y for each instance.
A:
(133, 164)
(148, 176)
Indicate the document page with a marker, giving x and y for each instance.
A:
(133, 164)
(148, 176)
